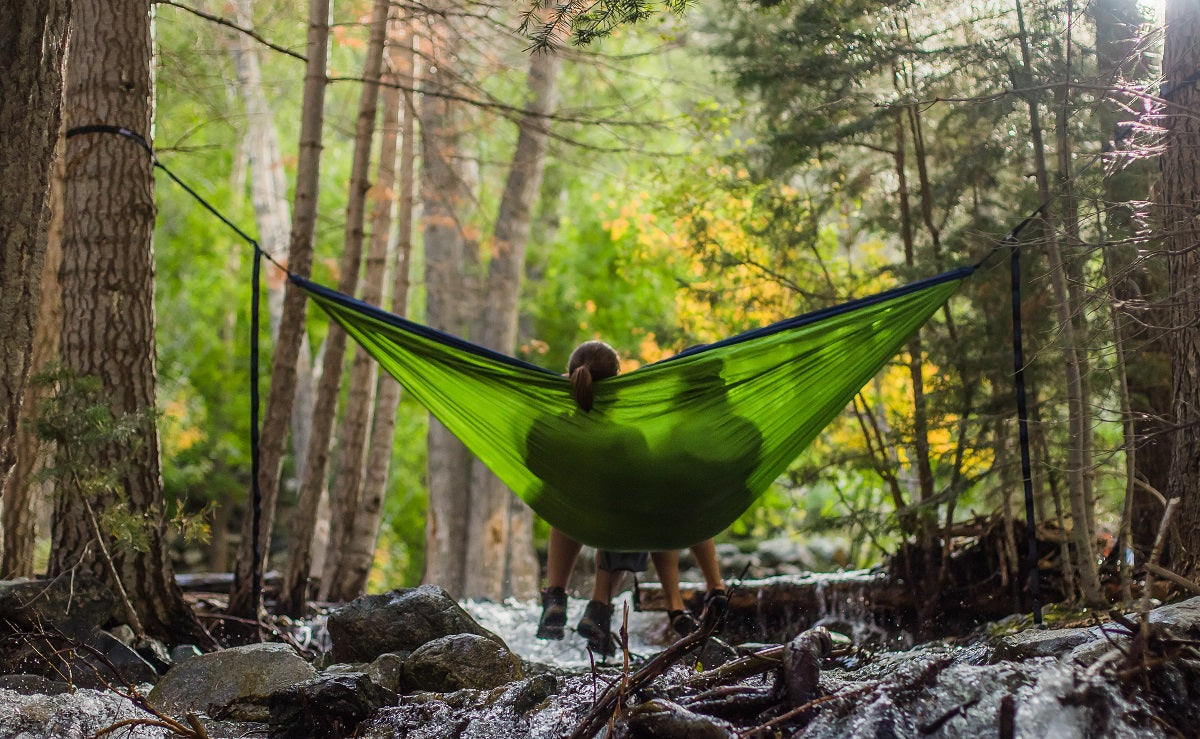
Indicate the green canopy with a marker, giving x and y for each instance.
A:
(673, 452)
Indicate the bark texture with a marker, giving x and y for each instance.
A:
(446, 200)
(243, 600)
(313, 481)
(33, 43)
(1181, 231)
(108, 296)
(359, 554)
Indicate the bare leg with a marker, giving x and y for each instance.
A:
(602, 585)
(706, 557)
(561, 553)
(666, 564)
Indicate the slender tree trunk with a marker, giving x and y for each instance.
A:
(926, 520)
(446, 198)
(108, 296)
(488, 528)
(33, 44)
(1082, 537)
(313, 481)
(359, 554)
(364, 370)
(1181, 232)
(272, 216)
(243, 601)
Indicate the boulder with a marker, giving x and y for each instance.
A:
(461, 661)
(56, 659)
(327, 706)
(235, 683)
(73, 605)
(397, 621)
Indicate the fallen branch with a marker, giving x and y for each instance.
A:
(609, 702)
(1174, 577)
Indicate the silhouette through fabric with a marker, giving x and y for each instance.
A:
(672, 452)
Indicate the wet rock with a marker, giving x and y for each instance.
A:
(235, 683)
(184, 652)
(802, 665)
(662, 719)
(714, 653)
(461, 661)
(73, 605)
(387, 671)
(57, 659)
(66, 715)
(1040, 643)
(1183, 616)
(397, 621)
(327, 706)
(533, 692)
(130, 665)
(33, 685)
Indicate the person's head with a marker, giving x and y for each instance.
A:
(591, 360)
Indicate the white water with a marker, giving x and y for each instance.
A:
(515, 621)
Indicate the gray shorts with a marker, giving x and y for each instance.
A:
(628, 561)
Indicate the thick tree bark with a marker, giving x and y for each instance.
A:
(448, 294)
(313, 481)
(489, 557)
(33, 44)
(359, 553)
(243, 601)
(108, 297)
(1181, 234)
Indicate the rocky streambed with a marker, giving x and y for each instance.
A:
(414, 663)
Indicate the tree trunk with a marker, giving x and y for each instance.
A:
(33, 44)
(108, 297)
(268, 193)
(488, 557)
(26, 499)
(244, 602)
(446, 200)
(1082, 536)
(313, 481)
(1137, 285)
(359, 553)
(352, 543)
(1181, 233)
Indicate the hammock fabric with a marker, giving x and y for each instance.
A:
(672, 452)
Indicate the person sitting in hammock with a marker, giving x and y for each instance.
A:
(589, 362)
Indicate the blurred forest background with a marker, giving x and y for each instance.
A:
(658, 177)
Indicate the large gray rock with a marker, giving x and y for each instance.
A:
(461, 661)
(73, 605)
(397, 621)
(235, 683)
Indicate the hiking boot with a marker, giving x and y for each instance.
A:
(595, 625)
(552, 624)
(682, 622)
(716, 602)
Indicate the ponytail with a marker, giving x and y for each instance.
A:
(581, 386)
(591, 360)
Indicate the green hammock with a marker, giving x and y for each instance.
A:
(673, 452)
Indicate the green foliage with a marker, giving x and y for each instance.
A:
(77, 418)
